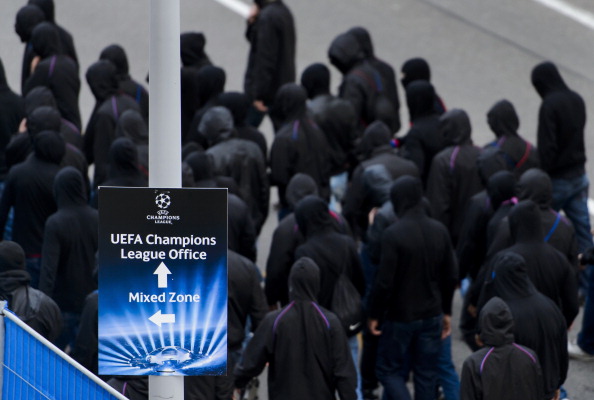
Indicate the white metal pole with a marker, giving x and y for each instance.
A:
(165, 95)
(165, 131)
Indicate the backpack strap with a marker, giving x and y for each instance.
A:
(525, 156)
(114, 107)
(52, 66)
(453, 158)
(138, 93)
(485, 359)
(295, 133)
(552, 230)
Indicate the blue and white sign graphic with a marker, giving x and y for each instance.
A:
(162, 281)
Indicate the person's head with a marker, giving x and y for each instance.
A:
(503, 119)
(236, 102)
(27, 18)
(501, 187)
(117, 56)
(547, 79)
(43, 118)
(536, 185)
(415, 69)
(132, 125)
(377, 182)
(509, 277)
(47, 7)
(300, 186)
(49, 147)
(490, 161)
(406, 194)
(524, 223)
(420, 97)
(316, 80)
(312, 216)
(45, 40)
(304, 280)
(102, 79)
(38, 97)
(364, 38)
(377, 134)
(69, 188)
(496, 324)
(454, 127)
(191, 46)
(201, 166)
(216, 125)
(122, 158)
(290, 102)
(345, 52)
(12, 256)
(211, 82)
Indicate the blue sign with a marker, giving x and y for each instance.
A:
(162, 281)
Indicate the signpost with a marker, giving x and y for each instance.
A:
(163, 281)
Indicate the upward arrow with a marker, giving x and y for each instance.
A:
(162, 271)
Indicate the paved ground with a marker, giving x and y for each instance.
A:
(479, 51)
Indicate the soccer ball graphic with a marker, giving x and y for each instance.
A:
(163, 201)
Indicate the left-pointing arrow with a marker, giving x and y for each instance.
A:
(162, 271)
(159, 318)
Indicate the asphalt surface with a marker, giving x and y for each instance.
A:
(480, 52)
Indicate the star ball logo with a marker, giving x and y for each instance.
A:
(163, 201)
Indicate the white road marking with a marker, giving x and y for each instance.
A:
(584, 17)
(236, 6)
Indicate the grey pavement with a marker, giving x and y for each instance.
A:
(479, 51)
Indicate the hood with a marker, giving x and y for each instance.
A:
(201, 165)
(102, 79)
(420, 97)
(44, 118)
(377, 134)
(122, 158)
(503, 119)
(345, 52)
(3, 82)
(415, 69)
(49, 147)
(45, 40)
(535, 185)
(191, 46)
(299, 186)
(304, 280)
(117, 56)
(47, 7)
(39, 97)
(312, 216)
(69, 188)
(547, 79)
(238, 103)
(454, 127)
(490, 161)
(364, 38)
(216, 125)
(496, 323)
(290, 103)
(132, 125)
(12, 256)
(27, 18)
(316, 80)
(524, 223)
(510, 277)
(406, 194)
(211, 82)
(377, 182)
(501, 187)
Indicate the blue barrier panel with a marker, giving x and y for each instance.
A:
(35, 370)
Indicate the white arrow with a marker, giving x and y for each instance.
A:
(162, 271)
(159, 318)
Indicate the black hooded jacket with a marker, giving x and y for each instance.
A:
(210, 83)
(70, 244)
(132, 126)
(520, 154)
(29, 190)
(191, 46)
(304, 344)
(561, 122)
(417, 273)
(333, 252)
(539, 324)
(453, 177)
(502, 369)
(415, 69)
(12, 111)
(501, 189)
(101, 128)
(239, 159)
(375, 149)
(117, 55)
(299, 145)
(27, 18)
(423, 140)
(271, 60)
(56, 70)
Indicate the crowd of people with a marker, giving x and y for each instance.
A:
(397, 215)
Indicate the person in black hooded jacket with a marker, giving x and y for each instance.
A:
(26, 19)
(53, 68)
(271, 60)
(12, 111)
(412, 293)
(520, 154)
(502, 369)
(133, 126)
(69, 248)
(539, 324)
(501, 189)
(423, 140)
(415, 69)
(210, 82)
(239, 159)
(298, 146)
(29, 190)
(453, 178)
(101, 128)
(191, 47)
(117, 55)
(304, 343)
(374, 149)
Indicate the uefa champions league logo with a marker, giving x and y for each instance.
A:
(163, 201)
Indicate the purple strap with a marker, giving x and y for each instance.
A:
(485, 358)
(114, 107)
(453, 158)
(295, 130)
(513, 200)
(124, 388)
(322, 314)
(526, 352)
(52, 66)
(291, 304)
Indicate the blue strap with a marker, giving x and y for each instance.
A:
(546, 239)
(138, 93)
